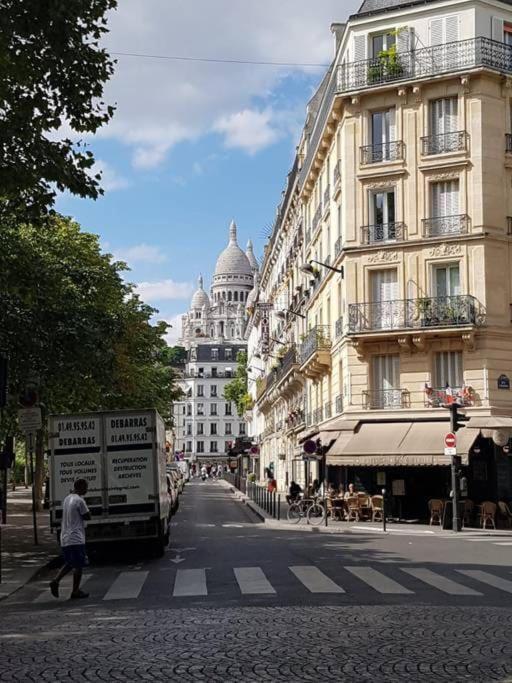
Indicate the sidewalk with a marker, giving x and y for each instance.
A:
(20, 558)
(336, 527)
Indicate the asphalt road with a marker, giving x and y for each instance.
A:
(233, 600)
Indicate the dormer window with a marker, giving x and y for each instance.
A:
(382, 42)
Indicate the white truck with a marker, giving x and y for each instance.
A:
(122, 456)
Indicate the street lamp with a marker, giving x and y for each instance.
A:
(282, 314)
(307, 268)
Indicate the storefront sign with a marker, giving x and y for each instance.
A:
(504, 382)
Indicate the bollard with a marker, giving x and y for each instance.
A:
(325, 511)
(279, 507)
(384, 510)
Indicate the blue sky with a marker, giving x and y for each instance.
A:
(194, 145)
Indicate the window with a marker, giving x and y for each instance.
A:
(447, 280)
(189, 446)
(228, 410)
(185, 410)
(200, 372)
(448, 370)
(444, 30)
(384, 291)
(213, 447)
(213, 390)
(215, 352)
(444, 202)
(228, 354)
(227, 428)
(445, 135)
(241, 428)
(227, 446)
(200, 428)
(189, 429)
(189, 410)
(213, 429)
(382, 217)
(214, 372)
(200, 446)
(381, 42)
(507, 33)
(200, 390)
(200, 409)
(386, 382)
(383, 133)
(213, 409)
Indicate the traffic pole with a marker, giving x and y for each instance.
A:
(32, 476)
(456, 522)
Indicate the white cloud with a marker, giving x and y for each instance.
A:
(164, 290)
(140, 253)
(111, 180)
(249, 130)
(174, 332)
(161, 102)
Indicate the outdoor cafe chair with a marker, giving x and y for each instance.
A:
(377, 508)
(467, 516)
(353, 509)
(487, 514)
(436, 507)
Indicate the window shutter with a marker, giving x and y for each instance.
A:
(451, 113)
(435, 192)
(452, 198)
(452, 28)
(403, 40)
(436, 31)
(392, 124)
(497, 29)
(359, 48)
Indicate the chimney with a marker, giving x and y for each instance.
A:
(337, 30)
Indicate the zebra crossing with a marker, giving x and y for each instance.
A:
(341, 582)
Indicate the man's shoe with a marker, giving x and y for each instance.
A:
(54, 589)
(79, 595)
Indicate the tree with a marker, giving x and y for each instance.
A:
(52, 74)
(177, 356)
(236, 390)
(70, 321)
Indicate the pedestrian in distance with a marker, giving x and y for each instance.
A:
(72, 539)
(293, 493)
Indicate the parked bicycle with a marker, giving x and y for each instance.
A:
(299, 509)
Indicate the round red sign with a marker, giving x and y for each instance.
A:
(450, 440)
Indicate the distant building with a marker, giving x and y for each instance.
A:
(213, 332)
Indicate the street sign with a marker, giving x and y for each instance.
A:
(450, 440)
(30, 420)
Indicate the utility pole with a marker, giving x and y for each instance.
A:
(455, 425)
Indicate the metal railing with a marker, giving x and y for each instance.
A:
(508, 142)
(287, 362)
(384, 399)
(317, 217)
(236, 480)
(338, 247)
(309, 419)
(318, 415)
(327, 410)
(455, 141)
(336, 175)
(338, 328)
(445, 311)
(426, 62)
(439, 226)
(339, 404)
(380, 152)
(327, 198)
(269, 501)
(317, 339)
(383, 232)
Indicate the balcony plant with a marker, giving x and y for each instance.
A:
(388, 65)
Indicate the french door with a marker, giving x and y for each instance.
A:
(385, 313)
(385, 382)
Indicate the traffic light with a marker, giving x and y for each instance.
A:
(4, 366)
(456, 418)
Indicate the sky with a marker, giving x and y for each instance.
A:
(194, 145)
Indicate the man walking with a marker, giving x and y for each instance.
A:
(72, 539)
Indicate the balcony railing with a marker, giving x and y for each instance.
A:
(287, 362)
(456, 141)
(339, 404)
(445, 311)
(338, 328)
(317, 217)
(336, 176)
(309, 419)
(425, 62)
(308, 235)
(318, 415)
(439, 398)
(327, 198)
(379, 153)
(383, 399)
(327, 410)
(508, 142)
(382, 233)
(338, 247)
(439, 226)
(317, 339)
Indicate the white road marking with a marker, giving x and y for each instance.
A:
(190, 582)
(315, 580)
(440, 582)
(378, 581)
(488, 579)
(507, 543)
(252, 581)
(127, 585)
(64, 589)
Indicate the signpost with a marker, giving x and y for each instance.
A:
(450, 444)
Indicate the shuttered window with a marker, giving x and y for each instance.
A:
(445, 199)
(386, 372)
(448, 369)
(444, 116)
(444, 30)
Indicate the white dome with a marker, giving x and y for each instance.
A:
(200, 298)
(232, 260)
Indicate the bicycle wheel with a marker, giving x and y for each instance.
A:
(316, 514)
(294, 513)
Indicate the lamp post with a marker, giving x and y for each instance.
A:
(307, 268)
(282, 314)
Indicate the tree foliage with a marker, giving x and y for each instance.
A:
(177, 356)
(52, 74)
(68, 319)
(236, 390)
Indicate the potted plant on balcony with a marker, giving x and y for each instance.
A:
(388, 65)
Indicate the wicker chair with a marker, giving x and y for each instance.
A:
(488, 514)
(377, 508)
(353, 509)
(436, 508)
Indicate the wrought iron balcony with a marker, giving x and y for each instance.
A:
(317, 217)
(439, 226)
(382, 233)
(386, 399)
(415, 314)
(327, 410)
(379, 153)
(318, 415)
(338, 247)
(338, 328)
(317, 339)
(339, 404)
(336, 176)
(426, 62)
(456, 141)
(327, 198)
(508, 142)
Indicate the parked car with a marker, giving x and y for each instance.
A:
(172, 490)
(177, 475)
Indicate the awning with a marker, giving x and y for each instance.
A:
(398, 444)
(327, 438)
(490, 422)
(307, 434)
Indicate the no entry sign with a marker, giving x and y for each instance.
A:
(450, 443)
